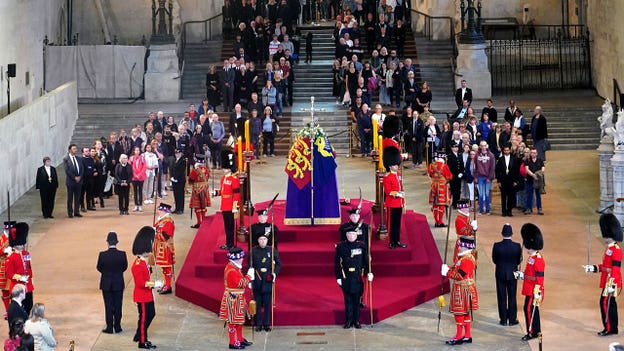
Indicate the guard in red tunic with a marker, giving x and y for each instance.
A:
(533, 275)
(393, 188)
(233, 305)
(463, 225)
(229, 190)
(18, 265)
(143, 285)
(5, 251)
(440, 195)
(610, 273)
(200, 197)
(464, 297)
(164, 250)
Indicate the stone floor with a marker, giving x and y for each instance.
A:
(65, 252)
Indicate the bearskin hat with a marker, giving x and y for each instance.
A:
(391, 157)
(610, 227)
(228, 161)
(19, 235)
(144, 241)
(532, 237)
(391, 126)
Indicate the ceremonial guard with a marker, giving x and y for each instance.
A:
(507, 256)
(463, 225)
(362, 229)
(533, 276)
(5, 251)
(200, 197)
(178, 181)
(464, 297)
(164, 250)
(263, 228)
(233, 305)
(439, 195)
(18, 264)
(229, 190)
(351, 262)
(267, 265)
(610, 273)
(393, 189)
(141, 248)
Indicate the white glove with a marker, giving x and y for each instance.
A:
(400, 194)
(339, 281)
(274, 277)
(24, 279)
(590, 268)
(519, 275)
(251, 273)
(158, 284)
(174, 180)
(460, 175)
(537, 295)
(369, 276)
(444, 270)
(8, 250)
(474, 225)
(213, 193)
(235, 210)
(611, 289)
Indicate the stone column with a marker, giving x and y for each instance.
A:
(605, 153)
(617, 162)
(162, 78)
(472, 65)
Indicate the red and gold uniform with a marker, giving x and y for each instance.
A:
(18, 269)
(464, 296)
(463, 226)
(233, 304)
(5, 250)
(440, 195)
(394, 202)
(164, 249)
(229, 190)
(533, 282)
(200, 196)
(611, 276)
(143, 297)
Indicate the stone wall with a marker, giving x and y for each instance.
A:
(23, 26)
(42, 128)
(607, 47)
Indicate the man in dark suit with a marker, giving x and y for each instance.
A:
(74, 171)
(15, 309)
(178, 181)
(507, 174)
(112, 263)
(237, 122)
(113, 151)
(539, 132)
(506, 255)
(456, 165)
(463, 93)
(47, 183)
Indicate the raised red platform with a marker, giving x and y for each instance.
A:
(306, 289)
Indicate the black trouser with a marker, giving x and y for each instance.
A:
(137, 186)
(178, 194)
(455, 190)
(147, 312)
(352, 304)
(308, 55)
(90, 191)
(228, 224)
(394, 224)
(506, 298)
(508, 198)
(47, 201)
(99, 191)
(608, 306)
(28, 302)
(263, 300)
(269, 143)
(73, 198)
(124, 197)
(113, 300)
(528, 311)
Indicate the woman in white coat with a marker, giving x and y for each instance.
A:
(40, 329)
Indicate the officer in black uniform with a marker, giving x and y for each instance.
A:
(350, 264)
(354, 224)
(265, 277)
(263, 228)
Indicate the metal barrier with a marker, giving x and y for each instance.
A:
(434, 27)
(208, 30)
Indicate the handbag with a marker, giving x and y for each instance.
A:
(547, 145)
(109, 183)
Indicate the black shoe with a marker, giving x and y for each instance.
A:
(362, 304)
(195, 226)
(400, 244)
(516, 322)
(91, 209)
(357, 325)
(101, 204)
(259, 328)
(77, 215)
(391, 246)
(246, 342)
(267, 328)
(83, 209)
(466, 340)
(146, 345)
(107, 331)
(121, 213)
(509, 214)
(442, 225)
(528, 337)
(503, 323)
(605, 333)
(118, 330)
(166, 291)
(347, 325)
(136, 338)
(70, 215)
(234, 347)
(51, 216)
(455, 342)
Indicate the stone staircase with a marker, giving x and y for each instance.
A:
(435, 67)
(197, 59)
(572, 128)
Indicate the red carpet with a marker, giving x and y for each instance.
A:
(306, 289)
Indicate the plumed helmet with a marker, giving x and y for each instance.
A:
(19, 235)
(391, 157)
(144, 241)
(532, 237)
(610, 227)
(391, 126)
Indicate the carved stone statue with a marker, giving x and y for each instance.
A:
(606, 119)
(617, 132)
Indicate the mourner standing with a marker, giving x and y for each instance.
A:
(112, 264)
(47, 183)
